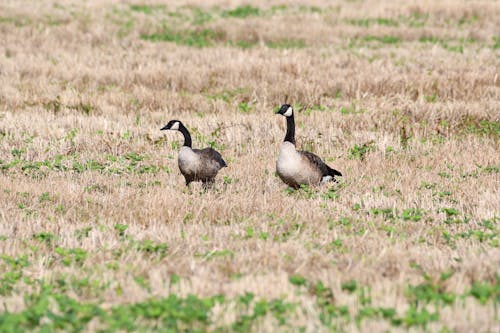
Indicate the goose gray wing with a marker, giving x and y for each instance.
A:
(319, 164)
(210, 154)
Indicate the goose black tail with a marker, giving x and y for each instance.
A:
(333, 172)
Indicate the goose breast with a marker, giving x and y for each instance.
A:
(294, 169)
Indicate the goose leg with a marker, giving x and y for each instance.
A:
(208, 184)
(188, 180)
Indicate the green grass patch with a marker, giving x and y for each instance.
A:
(349, 286)
(373, 42)
(386, 213)
(307, 192)
(360, 151)
(482, 127)
(415, 20)
(217, 254)
(468, 19)
(206, 37)
(331, 313)
(11, 272)
(129, 163)
(449, 44)
(431, 291)
(200, 16)
(310, 9)
(120, 229)
(387, 39)
(368, 22)
(147, 9)
(45, 237)
(287, 43)
(152, 248)
(49, 310)
(245, 107)
(227, 95)
(313, 108)
(18, 21)
(74, 256)
(351, 109)
(244, 44)
(194, 38)
(486, 291)
(277, 308)
(412, 214)
(297, 280)
(496, 42)
(242, 12)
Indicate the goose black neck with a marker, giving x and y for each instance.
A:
(290, 129)
(187, 137)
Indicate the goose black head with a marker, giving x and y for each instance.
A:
(172, 125)
(285, 110)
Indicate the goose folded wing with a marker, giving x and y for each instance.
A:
(318, 163)
(210, 154)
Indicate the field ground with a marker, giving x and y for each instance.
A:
(98, 232)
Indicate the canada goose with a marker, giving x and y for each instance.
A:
(196, 164)
(296, 167)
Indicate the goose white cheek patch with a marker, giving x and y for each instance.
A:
(175, 126)
(288, 112)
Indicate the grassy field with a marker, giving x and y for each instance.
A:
(99, 233)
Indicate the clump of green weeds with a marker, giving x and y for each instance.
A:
(287, 43)
(368, 22)
(360, 151)
(242, 12)
(196, 38)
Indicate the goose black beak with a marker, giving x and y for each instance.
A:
(164, 128)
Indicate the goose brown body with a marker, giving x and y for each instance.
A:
(293, 167)
(196, 164)
(200, 164)
(296, 167)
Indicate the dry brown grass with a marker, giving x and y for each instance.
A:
(79, 83)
